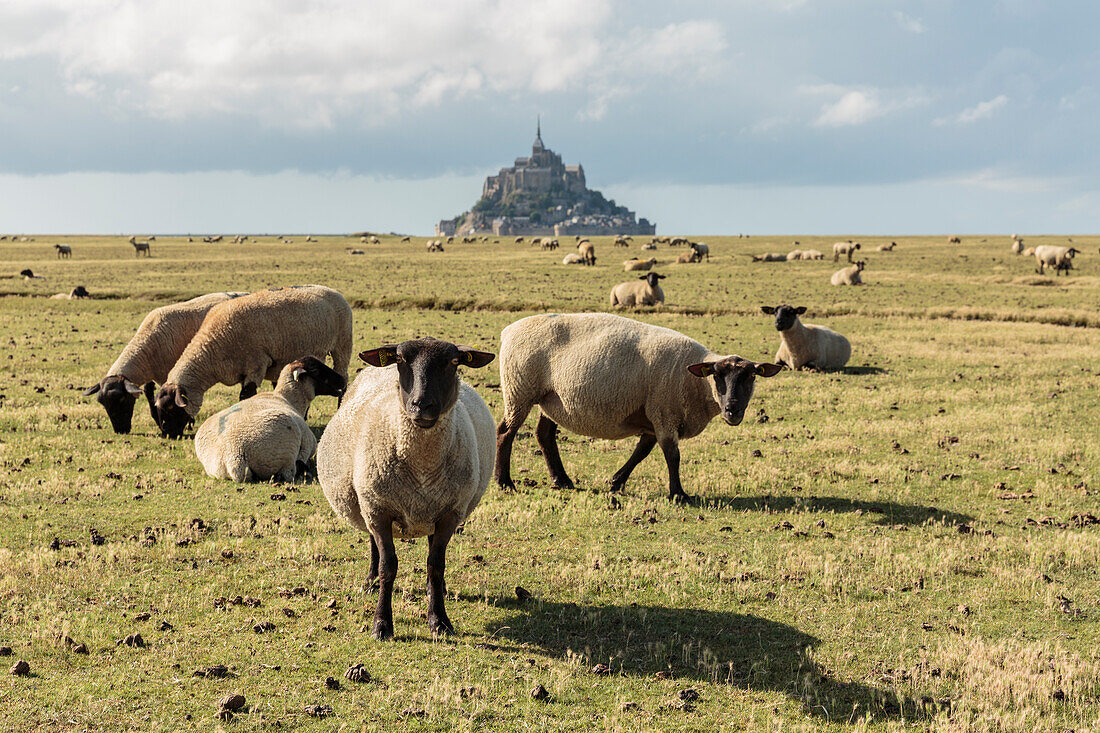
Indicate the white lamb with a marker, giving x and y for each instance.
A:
(266, 436)
(849, 275)
(643, 291)
(634, 265)
(610, 377)
(408, 454)
(806, 345)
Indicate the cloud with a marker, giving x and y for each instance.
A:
(1001, 180)
(307, 63)
(980, 111)
(858, 106)
(909, 23)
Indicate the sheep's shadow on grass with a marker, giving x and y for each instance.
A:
(861, 371)
(889, 512)
(699, 645)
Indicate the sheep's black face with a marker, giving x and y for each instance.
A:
(326, 381)
(785, 315)
(652, 278)
(171, 409)
(117, 395)
(734, 380)
(427, 371)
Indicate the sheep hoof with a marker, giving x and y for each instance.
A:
(506, 483)
(563, 482)
(681, 498)
(383, 630)
(440, 626)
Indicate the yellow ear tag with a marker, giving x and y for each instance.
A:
(708, 370)
(382, 358)
(469, 357)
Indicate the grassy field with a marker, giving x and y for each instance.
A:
(910, 542)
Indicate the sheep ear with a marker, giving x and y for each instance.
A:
(181, 399)
(766, 370)
(92, 390)
(474, 358)
(800, 309)
(131, 387)
(380, 357)
(643, 277)
(768, 309)
(702, 369)
(661, 277)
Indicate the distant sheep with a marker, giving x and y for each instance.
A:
(644, 291)
(64, 251)
(886, 247)
(845, 248)
(807, 346)
(793, 255)
(572, 259)
(812, 254)
(649, 246)
(1060, 258)
(28, 274)
(1017, 246)
(636, 264)
(587, 252)
(266, 436)
(140, 247)
(621, 242)
(701, 250)
(849, 275)
(1028, 251)
(954, 240)
(356, 252)
(77, 293)
(770, 257)
(435, 246)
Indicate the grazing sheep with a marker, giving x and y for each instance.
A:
(679, 242)
(636, 264)
(634, 293)
(64, 251)
(702, 250)
(435, 246)
(588, 252)
(1017, 246)
(807, 346)
(140, 247)
(849, 275)
(152, 351)
(845, 248)
(1060, 258)
(770, 257)
(621, 242)
(247, 339)
(886, 247)
(408, 454)
(266, 436)
(375, 240)
(610, 377)
(519, 240)
(572, 259)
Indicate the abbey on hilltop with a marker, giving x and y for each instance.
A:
(539, 195)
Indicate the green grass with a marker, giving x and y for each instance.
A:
(971, 403)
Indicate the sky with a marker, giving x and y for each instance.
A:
(716, 117)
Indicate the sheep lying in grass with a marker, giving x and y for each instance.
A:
(770, 257)
(572, 259)
(849, 275)
(643, 291)
(1060, 258)
(609, 377)
(845, 248)
(249, 339)
(266, 436)
(77, 293)
(636, 264)
(151, 353)
(812, 254)
(408, 454)
(649, 246)
(806, 345)
(886, 247)
(794, 255)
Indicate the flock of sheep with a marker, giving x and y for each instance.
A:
(411, 448)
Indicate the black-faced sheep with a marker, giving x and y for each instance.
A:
(849, 275)
(806, 345)
(646, 290)
(1060, 258)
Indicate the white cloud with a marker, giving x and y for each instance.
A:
(860, 105)
(305, 63)
(980, 111)
(909, 23)
(998, 179)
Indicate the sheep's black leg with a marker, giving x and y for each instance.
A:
(671, 449)
(383, 611)
(372, 579)
(506, 434)
(547, 434)
(150, 390)
(645, 445)
(438, 622)
(247, 390)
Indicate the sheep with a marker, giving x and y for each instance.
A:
(886, 247)
(702, 250)
(649, 246)
(609, 377)
(1017, 246)
(687, 257)
(519, 240)
(77, 293)
(588, 252)
(140, 247)
(849, 275)
(310, 238)
(64, 251)
(1028, 251)
(794, 254)
(356, 252)
(550, 244)
(844, 248)
(435, 246)
(807, 346)
(1060, 258)
(406, 239)
(679, 242)
(28, 274)
(769, 257)
(572, 259)
(375, 240)
(152, 351)
(812, 254)
(621, 241)
(636, 264)
(247, 339)
(634, 293)
(954, 240)
(266, 436)
(409, 453)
